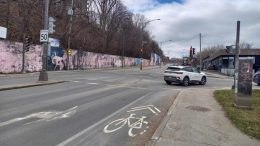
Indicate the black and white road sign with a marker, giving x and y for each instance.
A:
(44, 36)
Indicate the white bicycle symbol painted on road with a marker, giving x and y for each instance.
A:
(136, 125)
(132, 122)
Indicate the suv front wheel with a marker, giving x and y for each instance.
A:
(168, 82)
(186, 81)
(203, 81)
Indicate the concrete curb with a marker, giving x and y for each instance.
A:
(18, 74)
(216, 77)
(219, 77)
(159, 130)
(40, 83)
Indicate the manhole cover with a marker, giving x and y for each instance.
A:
(198, 108)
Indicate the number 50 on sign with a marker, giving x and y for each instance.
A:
(44, 36)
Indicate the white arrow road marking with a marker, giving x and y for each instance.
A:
(92, 83)
(44, 116)
(152, 108)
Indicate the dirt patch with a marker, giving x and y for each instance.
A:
(198, 108)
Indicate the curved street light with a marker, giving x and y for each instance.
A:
(164, 42)
(141, 64)
(161, 43)
(151, 21)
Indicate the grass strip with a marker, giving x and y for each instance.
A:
(248, 121)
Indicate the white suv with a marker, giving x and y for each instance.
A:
(184, 75)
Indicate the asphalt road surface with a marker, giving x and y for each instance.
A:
(112, 107)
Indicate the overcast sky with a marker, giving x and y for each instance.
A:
(183, 20)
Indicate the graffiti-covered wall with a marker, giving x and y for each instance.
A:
(155, 59)
(88, 60)
(11, 56)
(11, 59)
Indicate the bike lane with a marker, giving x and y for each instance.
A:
(133, 124)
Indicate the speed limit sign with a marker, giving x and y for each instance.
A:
(44, 36)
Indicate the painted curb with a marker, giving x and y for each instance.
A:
(40, 83)
(159, 130)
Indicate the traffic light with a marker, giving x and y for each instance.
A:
(193, 51)
(229, 49)
(69, 51)
(51, 25)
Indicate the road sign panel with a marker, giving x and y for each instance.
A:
(69, 51)
(44, 36)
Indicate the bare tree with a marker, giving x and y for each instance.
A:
(104, 26)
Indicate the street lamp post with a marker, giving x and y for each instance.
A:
(161, 44)
(43, 74)
(123, 29)
(164, 42)
(71, 12)
(142, 42)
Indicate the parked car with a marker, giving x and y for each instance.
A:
(184, 75)
(256, 78)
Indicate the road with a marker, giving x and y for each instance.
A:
(112, 107)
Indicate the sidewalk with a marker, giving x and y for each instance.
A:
(198, 120)
(26, 85)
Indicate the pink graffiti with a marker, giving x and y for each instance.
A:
(58, 62)
(11, 59)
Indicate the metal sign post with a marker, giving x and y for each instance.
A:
(44, 38)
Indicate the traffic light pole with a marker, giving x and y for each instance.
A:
(23, 61)
(69, 39)
(200, 54)
(43, 74)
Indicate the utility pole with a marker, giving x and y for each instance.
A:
(70, 27)
(123, 29)
(123, 52)
(237, 56)
(200, 53)
(43, 74)
(141, 63)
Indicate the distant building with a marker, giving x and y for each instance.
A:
(224, 62)
(176, 61)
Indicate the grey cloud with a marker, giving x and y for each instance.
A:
(215, 19)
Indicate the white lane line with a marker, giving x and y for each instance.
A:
(101, 121)
(92, 83)
(152, 108)
(94, 79)
(157, 109)
(44, 116)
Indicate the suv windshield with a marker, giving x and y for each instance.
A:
(173, 68)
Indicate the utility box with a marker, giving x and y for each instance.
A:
(245, 75)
